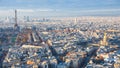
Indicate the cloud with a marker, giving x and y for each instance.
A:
(55, 12)
(35, 10)
(25, 10)
(44, 10)
(101, 10)
(93, 10)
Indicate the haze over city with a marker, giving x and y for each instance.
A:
(67, 8)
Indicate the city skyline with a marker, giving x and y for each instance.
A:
(60, 7)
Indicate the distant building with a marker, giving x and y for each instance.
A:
(62, 65)
(116, 65)
(104, 41)
(45, 64)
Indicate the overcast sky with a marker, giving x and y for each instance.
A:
(60, 7)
